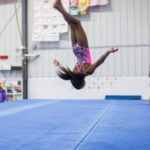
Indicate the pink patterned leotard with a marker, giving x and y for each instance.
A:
(83, 56)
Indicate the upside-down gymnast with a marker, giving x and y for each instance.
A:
(84, 66)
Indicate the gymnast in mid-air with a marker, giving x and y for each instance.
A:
(84, 66)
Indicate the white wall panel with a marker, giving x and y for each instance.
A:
(131, 61)
(124, 22)
(103, 29)
(9, 36)
(139, 61)
(55, 88)
(103, 68)
(117, 20)
(138, 24)
(130, 23)
(144, 21)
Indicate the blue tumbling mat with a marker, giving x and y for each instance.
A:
(75, 125)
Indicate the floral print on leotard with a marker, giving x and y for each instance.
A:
(82, 54)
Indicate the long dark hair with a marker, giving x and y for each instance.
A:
(77, 79)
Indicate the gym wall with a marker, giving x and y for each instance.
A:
(123, 23)
(9, 38)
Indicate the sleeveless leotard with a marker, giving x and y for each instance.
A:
(83, 56)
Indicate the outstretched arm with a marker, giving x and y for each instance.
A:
(100, 61)
(56, 63)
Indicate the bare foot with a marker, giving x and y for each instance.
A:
(57, 4)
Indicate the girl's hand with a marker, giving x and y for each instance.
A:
(112, 50)
(56, 62)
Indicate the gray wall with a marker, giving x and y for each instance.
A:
(9, 37)
(123, 23)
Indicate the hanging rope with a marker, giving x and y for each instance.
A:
(7, 23)
(19, 30)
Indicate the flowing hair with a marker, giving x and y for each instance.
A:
(76, 78)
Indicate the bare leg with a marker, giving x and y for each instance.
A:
(77, 32)
(73, 34)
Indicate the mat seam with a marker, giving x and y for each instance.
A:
(93, 126)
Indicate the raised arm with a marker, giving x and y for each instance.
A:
(100, 61)
(56, 63)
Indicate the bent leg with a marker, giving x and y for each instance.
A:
(81, 36)
(77, 32)
(73, 35)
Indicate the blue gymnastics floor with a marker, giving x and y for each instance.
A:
(75, 125)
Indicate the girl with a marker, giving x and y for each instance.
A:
(84, 66)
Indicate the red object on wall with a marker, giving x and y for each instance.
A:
(4, 57)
